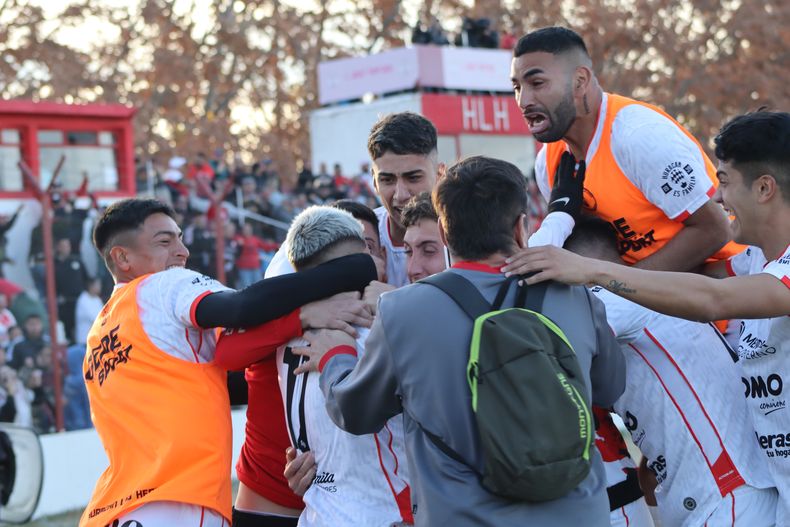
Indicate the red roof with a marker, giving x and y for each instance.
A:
(53, 108)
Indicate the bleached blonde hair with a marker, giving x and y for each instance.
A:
(316, 229)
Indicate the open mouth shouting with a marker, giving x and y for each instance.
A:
(537, 122)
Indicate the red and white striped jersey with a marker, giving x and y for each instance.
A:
(360, 480)
(764, 350)
(684, 407)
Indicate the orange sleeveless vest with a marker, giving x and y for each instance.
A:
(164, 422)
(642, 228)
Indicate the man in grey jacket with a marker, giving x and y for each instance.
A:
(417, 352)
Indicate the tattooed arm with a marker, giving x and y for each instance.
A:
(684, 295)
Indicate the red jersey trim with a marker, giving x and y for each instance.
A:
(477, 266)
(337, 350)
(403, 498)
(195, 353)
(728, 267)
(786, 281)
(193, 309)
(683, 216)
(723, 470)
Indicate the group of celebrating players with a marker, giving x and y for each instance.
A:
(678, 314)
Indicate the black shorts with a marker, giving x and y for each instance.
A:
(252, 519)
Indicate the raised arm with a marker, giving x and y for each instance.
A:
(703, 233)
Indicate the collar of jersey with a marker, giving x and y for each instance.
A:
(477, 266)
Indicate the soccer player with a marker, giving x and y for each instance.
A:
(158, 399)
(425, 252)
(264, 496)
(370, 223)
(402, 147)
(754, 176)
(684, 406)
(645, 174)
(360, 480)
(412, 363)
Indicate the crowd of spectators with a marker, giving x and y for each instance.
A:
(82, 284)
(252, 196)
(474, 33)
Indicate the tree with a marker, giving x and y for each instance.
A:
(241, 74)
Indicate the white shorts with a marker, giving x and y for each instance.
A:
(170, 514)
(747, 507)
(635, 514)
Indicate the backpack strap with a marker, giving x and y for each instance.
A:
(502, 293)
(469, 299)
(531, 297)
(445, 448)
(462, 291)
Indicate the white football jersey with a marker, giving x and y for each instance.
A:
(396, 254)
(764, 350)
(644, 143)
(360, 480)
(166, 303)
(684, 407)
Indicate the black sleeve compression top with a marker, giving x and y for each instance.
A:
(274, 297)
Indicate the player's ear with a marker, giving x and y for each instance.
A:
(120, 258)
(520, 232)
(765, 187)
(582, 77)
(441, 170)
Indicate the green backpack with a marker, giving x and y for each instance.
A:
(528, 395)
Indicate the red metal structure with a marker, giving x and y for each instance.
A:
(85, 147)
(44, 197)
(96, 139)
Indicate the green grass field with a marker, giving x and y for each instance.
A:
(69, 519)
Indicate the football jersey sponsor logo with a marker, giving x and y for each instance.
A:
(632, 424)
(325, 481)
(204, 281)
(630, 421)
(775, 445)
(678, 179)
(752, 347)
(768, 387)
(630, 240)
(659, 468)
(760, 387)
(109, 355)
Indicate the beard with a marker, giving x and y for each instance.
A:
(562, 117)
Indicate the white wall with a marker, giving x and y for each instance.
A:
(73, 461)
(339, 134)
(516, 149)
